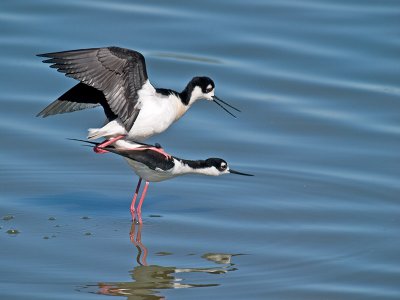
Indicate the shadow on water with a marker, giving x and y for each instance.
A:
(148, 280)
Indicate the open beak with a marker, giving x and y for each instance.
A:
(239, 173)
(219, 102)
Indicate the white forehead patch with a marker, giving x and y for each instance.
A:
(209, 86)
(223, 164)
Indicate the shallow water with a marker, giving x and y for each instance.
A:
(318, 84)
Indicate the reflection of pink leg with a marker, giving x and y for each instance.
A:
(134, 199)
(136, 239)
(142, 247)
(106, 143)
(139, 207)
(132, 234)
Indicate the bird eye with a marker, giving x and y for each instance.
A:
(223, 166)
(209, 90)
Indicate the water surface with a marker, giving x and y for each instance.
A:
(318, 85)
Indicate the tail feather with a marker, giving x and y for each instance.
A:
(95, 133)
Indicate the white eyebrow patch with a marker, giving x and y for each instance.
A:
(209, 86)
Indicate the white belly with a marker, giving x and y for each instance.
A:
(155, 116)
(147, 174)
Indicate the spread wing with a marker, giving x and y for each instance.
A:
(119, 73)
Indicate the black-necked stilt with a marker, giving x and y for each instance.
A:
(152, 164)
(116, 78)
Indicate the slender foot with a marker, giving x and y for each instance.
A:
(139, 207)
(156, 149)
(161, 151)
(105, 144)
(134, 199)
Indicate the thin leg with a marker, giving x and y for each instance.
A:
(134, 199)
(106, 143)
(159, 150)
(139, 207)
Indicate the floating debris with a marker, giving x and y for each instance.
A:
(219, 258)
(88, 233)
(52, 219)
(12, 231)
(155, 216)
(8, 217)
(45, 237)
(163, 253)
(85, 218)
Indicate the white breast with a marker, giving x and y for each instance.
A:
(157, 113)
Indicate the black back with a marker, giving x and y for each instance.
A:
(154, 159)
(167, 92)
(149, 157)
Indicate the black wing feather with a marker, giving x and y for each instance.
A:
(79, 97)
(149, 157)
(117, 72)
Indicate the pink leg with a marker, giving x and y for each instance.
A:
(139, 207)
(134, 199)
(159, 150)
(106, 143)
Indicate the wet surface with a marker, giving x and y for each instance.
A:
(318, 86)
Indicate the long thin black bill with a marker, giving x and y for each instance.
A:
(215, 101)
(239, 173)
(224, 102)
(88, 142)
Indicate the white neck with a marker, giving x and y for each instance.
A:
(180, 108)
(196, 95)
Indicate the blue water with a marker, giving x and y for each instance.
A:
(318, 83)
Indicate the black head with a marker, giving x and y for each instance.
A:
(206, 84)
(220, 164)
(221, 167)
(198, 88)
(203, 87)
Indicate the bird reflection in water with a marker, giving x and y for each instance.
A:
(148, 280)
(136, 239)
